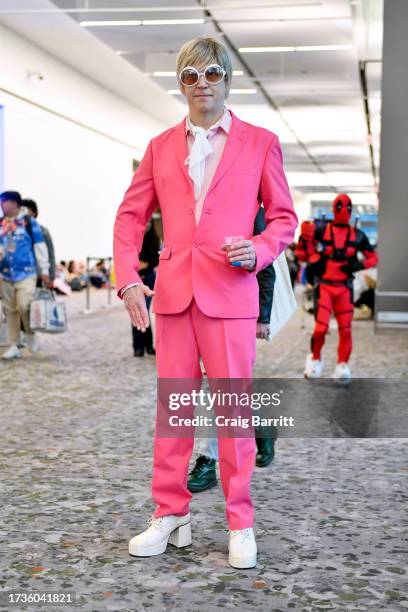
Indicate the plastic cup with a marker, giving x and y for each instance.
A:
(231, 240)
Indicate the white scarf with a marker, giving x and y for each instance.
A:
(196, 160)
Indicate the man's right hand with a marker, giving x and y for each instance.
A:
(135, 302)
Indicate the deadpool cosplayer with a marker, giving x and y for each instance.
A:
(330, 249)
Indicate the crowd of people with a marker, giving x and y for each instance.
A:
(75, 276)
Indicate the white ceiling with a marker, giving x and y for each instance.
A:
(313, 99)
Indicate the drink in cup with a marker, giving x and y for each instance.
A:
(232, 240)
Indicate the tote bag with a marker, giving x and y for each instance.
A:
(284, 304)
(46, 314)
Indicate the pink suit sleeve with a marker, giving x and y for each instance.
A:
(280, 216)
(138, 205)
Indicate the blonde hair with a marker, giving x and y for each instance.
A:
(202, 51)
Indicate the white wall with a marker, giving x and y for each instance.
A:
(76, 175)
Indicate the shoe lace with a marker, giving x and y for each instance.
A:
(245, 534)
(199, 466)
(156, 522)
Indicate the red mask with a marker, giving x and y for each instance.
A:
(342, 209)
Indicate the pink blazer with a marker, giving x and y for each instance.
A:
(192, 263)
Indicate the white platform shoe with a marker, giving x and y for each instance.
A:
(242, 548)
(313, 367)
(162, 530)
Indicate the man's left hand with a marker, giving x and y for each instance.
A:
(262, 331)
(241, 253)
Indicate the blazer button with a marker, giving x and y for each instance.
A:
(190, 211)
(208, 211)
(195, 244)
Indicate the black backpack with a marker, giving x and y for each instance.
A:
(29, 228)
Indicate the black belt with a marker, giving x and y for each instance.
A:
(330, 282)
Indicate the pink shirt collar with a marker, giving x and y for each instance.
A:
(224, 122)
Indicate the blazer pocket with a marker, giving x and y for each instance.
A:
(165, 252)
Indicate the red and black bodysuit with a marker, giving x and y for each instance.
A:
(331, 248)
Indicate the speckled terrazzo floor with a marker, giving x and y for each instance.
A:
(75, 466)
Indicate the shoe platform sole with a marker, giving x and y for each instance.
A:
(210, 485)
(264, 463)
(344, 382)
(180, 538)
(242, 563)
(311, 376)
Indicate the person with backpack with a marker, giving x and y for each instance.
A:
(32, 210)
(22, 249)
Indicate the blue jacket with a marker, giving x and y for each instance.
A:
(19, 251)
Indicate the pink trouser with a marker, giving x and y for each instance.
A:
(227, 348)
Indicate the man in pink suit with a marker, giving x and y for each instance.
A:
(209, 174)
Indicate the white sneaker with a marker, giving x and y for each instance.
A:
(313, 367)
(162, 530)
(342, 373)
(33, 343)
(242, 548)
(13, 352)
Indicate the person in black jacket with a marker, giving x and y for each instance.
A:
(203, 475)
(149, 260)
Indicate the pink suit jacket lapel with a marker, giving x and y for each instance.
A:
(235, 142)
(181, 149)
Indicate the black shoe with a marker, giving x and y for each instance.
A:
(202, 476)
(139, 353)
(266, 451)
(150, 350)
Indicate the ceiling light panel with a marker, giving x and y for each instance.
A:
(143, 22)
(297, 34)
(296, 73)
(144, 16)
(287, 11)
(146, 42)
(297, 49)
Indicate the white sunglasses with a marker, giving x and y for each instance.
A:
(213, 75)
